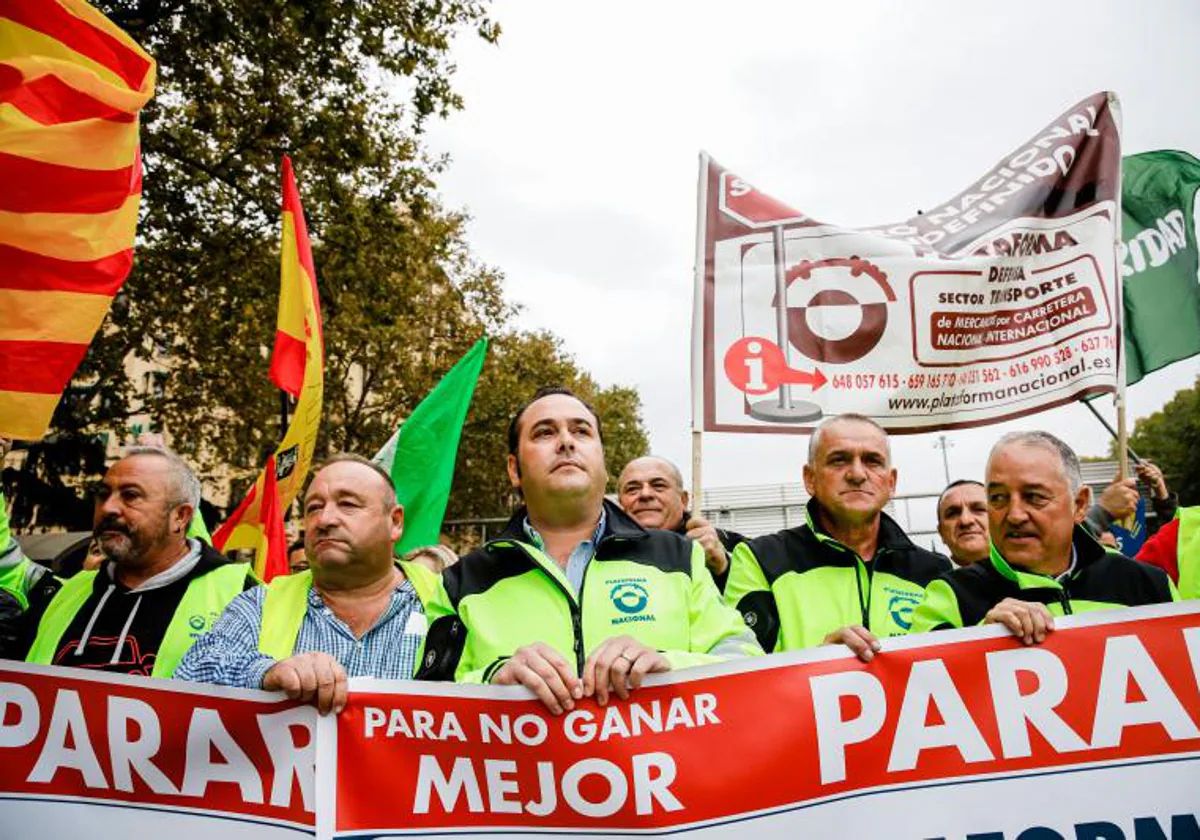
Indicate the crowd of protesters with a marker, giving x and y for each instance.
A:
(580, 595)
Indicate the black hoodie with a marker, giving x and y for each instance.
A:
(118, 629)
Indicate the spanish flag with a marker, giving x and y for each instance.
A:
(254, 521)
(297, 293)
(71, 86)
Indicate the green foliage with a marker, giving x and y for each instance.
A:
(517, 365)
(345, 88)
(1171, 439)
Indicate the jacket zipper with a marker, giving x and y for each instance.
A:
(1065, 601)
(864, 607)
(576, 609)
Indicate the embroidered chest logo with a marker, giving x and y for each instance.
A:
(901, 604)
(630, 597)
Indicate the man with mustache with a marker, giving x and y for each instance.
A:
(962, 521)
(1042, 562)
(354, 612)
(575, 598)
(849, 575)
(650, 490)
(157, 592)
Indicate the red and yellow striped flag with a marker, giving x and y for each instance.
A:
(71, 86)
(247, 527)
(297, 276)
(266, 535)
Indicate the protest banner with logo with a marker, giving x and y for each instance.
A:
(993, 305)
(949, 735)
(84, 754)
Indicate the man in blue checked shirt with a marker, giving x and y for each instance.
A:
(355, 612)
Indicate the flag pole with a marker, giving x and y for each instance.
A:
(1136, 458)
(1114, 108)
(283, 413)
(698, 271)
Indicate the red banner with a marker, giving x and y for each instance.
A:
(91, 755)
(964, 735)
(812, 744)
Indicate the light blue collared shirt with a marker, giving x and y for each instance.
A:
(581, 555)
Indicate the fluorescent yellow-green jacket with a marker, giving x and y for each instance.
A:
(1187, 552)
(201, 603)
(1101, 580)
(797, 586)
(651, 585)
(286, 604)
(26, 588)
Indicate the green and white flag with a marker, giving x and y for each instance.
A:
(420, 455)
(1159, 261)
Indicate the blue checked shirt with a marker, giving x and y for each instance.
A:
(228, 654)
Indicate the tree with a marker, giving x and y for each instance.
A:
(1171, 438)
(345, 89)
(517, 365)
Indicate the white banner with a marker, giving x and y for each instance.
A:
(996, 304)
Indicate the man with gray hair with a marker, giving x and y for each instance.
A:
(158, 589)
(1042, 562)
(849, 575)
(650, 490)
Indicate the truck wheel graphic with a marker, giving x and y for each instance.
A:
(832, 294)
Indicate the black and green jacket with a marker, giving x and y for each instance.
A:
(797, 586)
(651, 585)
(1101, 580)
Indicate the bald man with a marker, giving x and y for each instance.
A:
(650, 490)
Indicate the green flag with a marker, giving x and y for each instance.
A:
(1159, 260)
(420, 455)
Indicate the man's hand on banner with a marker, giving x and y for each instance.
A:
(1028, 621)
(545, 672)
(856, 637)
(618, 665)
(701, 531)
(314, 677)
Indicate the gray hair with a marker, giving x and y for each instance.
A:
(389, 495)
(185, 487)
(1066, 456)
(814, 442)
(671, 468)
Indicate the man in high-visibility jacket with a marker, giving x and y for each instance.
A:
(158, 591)
(25, 590)
(354, 612)
(1042, 563)
(848, 575)
(1175, 549)
(25, 587)
(575, 598)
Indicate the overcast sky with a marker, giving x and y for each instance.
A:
(576, 157)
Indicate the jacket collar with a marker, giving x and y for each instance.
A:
(1087, 552)
(891, 535)
(617, 524)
